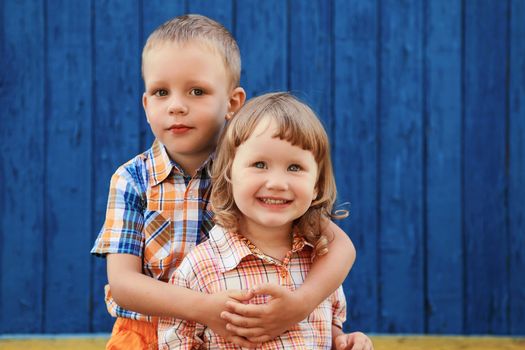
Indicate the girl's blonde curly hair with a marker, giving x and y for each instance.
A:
(297, 124)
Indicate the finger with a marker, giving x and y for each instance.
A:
(359, 345)
(246, 310)
(245, 343)
(245, 332)
(241, 295)
(272, 289)
(239, 321)
(260, 339)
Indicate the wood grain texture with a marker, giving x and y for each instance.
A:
(485, 180)
(516, 164)
(117, 117)
(68, 171)
(355, 149)
(23, 168)
(401, 168)
(264, 61)
(444, 249)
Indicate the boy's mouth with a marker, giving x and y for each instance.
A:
(179, 129)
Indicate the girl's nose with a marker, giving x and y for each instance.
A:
(277, 182)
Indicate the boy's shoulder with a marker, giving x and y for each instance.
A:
(134, 172)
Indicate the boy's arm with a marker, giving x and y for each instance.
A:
(261, 323)
(135, 291)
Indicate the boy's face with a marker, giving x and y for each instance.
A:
(187, 99)
(273, 182)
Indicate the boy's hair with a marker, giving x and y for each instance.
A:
(186, 28)
(297, 124)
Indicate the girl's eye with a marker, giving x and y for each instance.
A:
(259, 165)
(197, 92)
(161, 93)
(294, 167)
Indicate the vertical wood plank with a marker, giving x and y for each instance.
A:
(401, 164)
(310, 56)
(220, 11)
(117, 117)
(517, 168)
(68, 167)
(485, 182)
(154, 13)
(22, 165)
(444, 275)
(261, 32)
(355, 150)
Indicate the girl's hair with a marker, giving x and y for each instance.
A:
(297, 124)
(187, 28)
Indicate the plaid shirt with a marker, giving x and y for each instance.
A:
(154, 212)
(230, 261)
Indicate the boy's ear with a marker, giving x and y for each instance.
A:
(237, 98)
(144, 105)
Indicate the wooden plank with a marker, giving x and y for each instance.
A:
(485, 181)
(220, 11)
(444, 274)
(310, 56)
(68, 172)
(400, 168)
(22, 166)
(517, 168)
(153, 15)
(117, 111)
(261, 32)
(355, 150)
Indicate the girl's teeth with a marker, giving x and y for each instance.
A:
(273, 201)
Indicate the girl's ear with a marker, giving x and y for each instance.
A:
(237, 98)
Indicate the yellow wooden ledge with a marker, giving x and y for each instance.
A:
(380, 343)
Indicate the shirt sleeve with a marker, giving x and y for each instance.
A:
(122, 229)
(176, 333)
(338, 308)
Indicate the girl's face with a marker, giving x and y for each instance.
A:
(273, 182)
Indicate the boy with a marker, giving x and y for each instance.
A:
(158, 202)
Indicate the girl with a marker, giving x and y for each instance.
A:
(273, 193)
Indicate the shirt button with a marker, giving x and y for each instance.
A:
(283, 274)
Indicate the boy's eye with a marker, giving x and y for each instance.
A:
(161, 92)
(294, 167)
(197, 92)
(259, 165)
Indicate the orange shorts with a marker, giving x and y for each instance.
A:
(133, 334)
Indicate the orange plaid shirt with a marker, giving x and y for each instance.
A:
(155, 212)
(230, 261)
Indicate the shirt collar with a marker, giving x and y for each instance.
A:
(161, 164)
(231, 248)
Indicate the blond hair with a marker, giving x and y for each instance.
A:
(297, 124)
(188, 28)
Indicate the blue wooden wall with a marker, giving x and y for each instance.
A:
(424, 102)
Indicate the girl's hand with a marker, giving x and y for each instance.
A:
(214, 304)
(260, 323)
(353, 341)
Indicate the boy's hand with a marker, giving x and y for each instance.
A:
(353, 341)
(260, 323)
(215, 304)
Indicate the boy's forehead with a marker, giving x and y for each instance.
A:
(207, 46)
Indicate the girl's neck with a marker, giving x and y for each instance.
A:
(275, 242)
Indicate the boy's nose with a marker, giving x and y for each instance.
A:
(177, 107)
